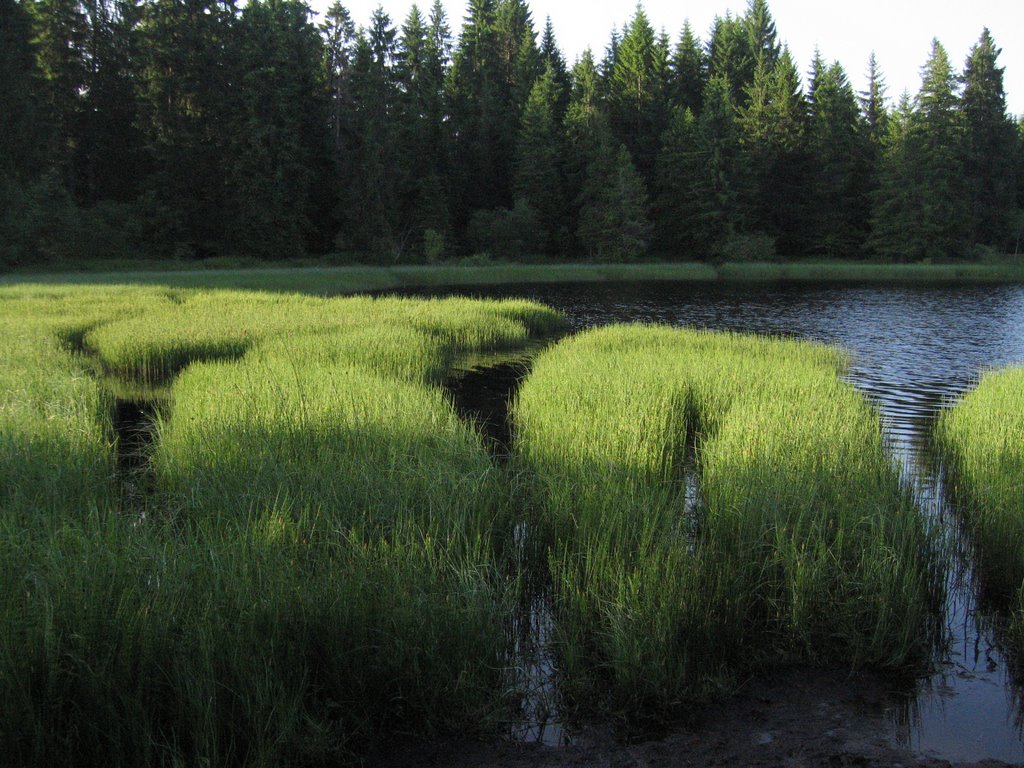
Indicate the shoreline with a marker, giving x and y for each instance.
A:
(336, 280)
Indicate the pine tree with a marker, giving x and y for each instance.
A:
(61, 31)
(189, 109)
(481, 153)
(689, 72)
(22, 122)
(836, 218)
(282, 133)
(702, 182)
(989, 138)
(772, 126)
(552, 56)
(934, 142)
(872, 102)
(538, 177)
(374, 223)
(897, 202)
(613, 222)
(729, 57)
(586, 130)
(422, 145)
(762, 39)
(636, 98)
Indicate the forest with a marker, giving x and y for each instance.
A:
(190, 129)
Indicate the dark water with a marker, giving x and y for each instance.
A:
(914, 350)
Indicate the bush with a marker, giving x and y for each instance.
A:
(506, 234)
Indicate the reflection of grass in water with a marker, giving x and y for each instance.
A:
(318, 567)
(983, 438)
(807, 547)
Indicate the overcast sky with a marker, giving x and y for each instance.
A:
(899, 31)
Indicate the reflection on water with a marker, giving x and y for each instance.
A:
(913, 350)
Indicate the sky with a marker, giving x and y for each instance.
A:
(898, 31)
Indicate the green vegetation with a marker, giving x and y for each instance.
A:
(266, 131)
(982, 437)
(334, 280)
(800, 543)
(320, 562)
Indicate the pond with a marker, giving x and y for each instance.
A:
(914, 350)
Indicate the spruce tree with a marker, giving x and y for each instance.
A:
(422, 147)
(586, 130)
(836, 218)
(613, 223)
(521, 62)
(107, 157)
(61, 30)
(636, 97)
(339, 35)
(896, 203)
(772, 126)
(702, 180)
(539, 157)
(762, 39)
(374, 223)
(189, 109)
(552, 56)
(481, 154)
(935, 140)
(274, 157)
(872, 102)
(989, 138)
(22, 120)
(689, 72)
(729, 57)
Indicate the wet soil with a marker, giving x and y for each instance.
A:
(794, 718)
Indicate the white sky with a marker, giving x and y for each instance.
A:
(899, 31)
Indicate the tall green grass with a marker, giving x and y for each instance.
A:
(982, 438)
(802, 545)
(156, 344)
(320, 564)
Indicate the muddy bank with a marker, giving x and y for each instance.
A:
(793, 718)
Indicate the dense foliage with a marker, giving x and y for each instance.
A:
(191, 128)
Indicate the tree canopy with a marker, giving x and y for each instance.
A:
(194, 128)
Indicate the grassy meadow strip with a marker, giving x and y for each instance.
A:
(801, 545)
(155, 345)
(286, 642)
(320, 564)
(56, 455)
(369, 451)
(982, 437)
(327, 279)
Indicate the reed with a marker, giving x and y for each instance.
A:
(982, 440)
(713, 503)
(320, 565)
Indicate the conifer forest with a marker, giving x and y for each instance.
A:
(188, 129)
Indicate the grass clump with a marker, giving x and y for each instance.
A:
(321, 562)
(982, 438)
(798, 543)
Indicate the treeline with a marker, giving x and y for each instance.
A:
(191, 128)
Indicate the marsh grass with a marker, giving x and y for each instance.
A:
(982, 439)
(319, 565)
(803, 547)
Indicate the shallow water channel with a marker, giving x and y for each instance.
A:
(914, 349)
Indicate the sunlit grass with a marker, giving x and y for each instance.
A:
(802, 544)
(319, 564)
(982, 437)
